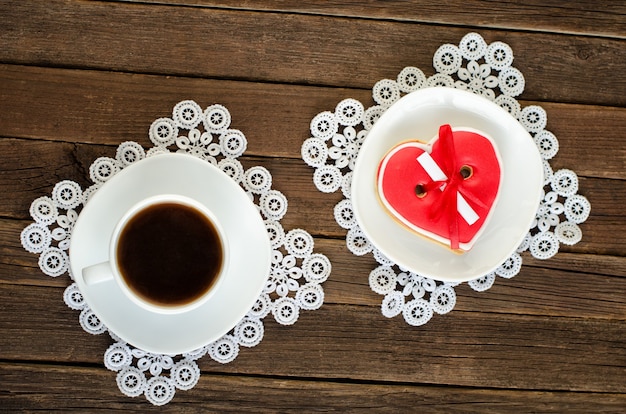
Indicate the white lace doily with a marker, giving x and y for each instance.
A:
(296, 274)
(474, 66)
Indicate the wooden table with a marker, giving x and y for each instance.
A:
(77, 78)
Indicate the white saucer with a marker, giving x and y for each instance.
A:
(418, 115)
(248, 268)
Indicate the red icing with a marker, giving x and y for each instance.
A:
(400, 173)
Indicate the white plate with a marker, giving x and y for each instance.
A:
(248, 268)
(418, 115)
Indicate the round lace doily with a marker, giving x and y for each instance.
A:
(484, 69)
(294, 282)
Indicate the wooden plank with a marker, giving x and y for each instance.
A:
(550, 287)
(578, 130)
(31, 168)
(288, 48)
(605, 19)
(533, 291)
(600, 235)
(493, 350)
(313, 211)
(26, 324)
(30, 387)
(464, 348)
(597, 264)
(77, 78)
(109, 108)
(540, 291)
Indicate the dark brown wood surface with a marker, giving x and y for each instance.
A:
(79, 77)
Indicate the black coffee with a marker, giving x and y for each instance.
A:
(169, 254)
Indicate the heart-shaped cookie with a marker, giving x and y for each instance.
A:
(445, 189)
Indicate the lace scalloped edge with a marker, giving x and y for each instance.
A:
(294, 282)
(478, 67)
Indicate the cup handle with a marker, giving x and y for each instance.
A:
(98, 273)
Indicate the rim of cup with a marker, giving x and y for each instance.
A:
(136, 209)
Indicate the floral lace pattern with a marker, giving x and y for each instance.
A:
(478, 67)
(294, 282)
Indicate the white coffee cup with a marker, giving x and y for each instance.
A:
(111, 271)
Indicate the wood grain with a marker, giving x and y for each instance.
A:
(462, 348)
(288, 48)
(36, 387)
(553, 16)
(78, 78)
(308, 207)
(109, 108)
(532, 292)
